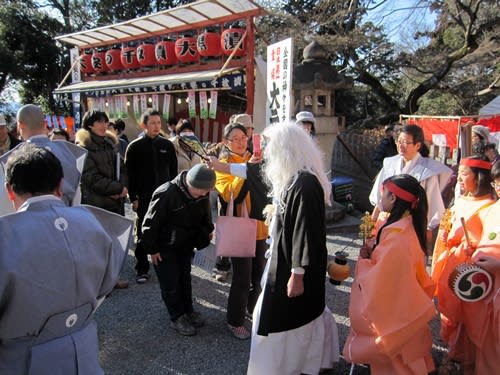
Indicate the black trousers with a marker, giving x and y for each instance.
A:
(174, 276)
(141, 255)
(245, 285)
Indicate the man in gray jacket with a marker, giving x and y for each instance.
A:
(66, 260)
(31, 126)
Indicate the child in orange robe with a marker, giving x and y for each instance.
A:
(391, 296)
(454, 248)
(483, 317)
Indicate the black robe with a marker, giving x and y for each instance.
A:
(299, 241)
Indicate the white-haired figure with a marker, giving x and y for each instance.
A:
(294, 331)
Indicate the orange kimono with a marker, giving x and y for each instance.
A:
(391, 305)
(448, 255)
(482, 318)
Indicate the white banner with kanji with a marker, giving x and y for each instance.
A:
(166, 106)
(203, 105)
(135, 106)
(155, 101)
(279, 81)
(144, 103)
(192, 104)
(212, 112)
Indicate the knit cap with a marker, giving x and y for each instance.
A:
(482, 131)
(201, 177)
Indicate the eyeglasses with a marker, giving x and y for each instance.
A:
(239, 139)
(406, 143)
(495, 185)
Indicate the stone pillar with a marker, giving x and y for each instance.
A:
(315, 80)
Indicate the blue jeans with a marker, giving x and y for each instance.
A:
(174, 276)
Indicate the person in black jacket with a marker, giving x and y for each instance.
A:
(7, 140)
(386, 148)
(104, 178)
(150, 162)
(179, 220)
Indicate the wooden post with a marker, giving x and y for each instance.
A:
(250, 81)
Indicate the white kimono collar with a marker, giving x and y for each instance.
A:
(38, 198)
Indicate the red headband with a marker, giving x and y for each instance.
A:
(401, 193)
(478, 163)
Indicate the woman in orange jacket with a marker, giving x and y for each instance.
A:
(246, 185)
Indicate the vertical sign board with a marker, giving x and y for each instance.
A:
(279, 81)
(75, 77)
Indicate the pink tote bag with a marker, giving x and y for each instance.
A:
(235, 236)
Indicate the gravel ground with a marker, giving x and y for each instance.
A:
(135, 337)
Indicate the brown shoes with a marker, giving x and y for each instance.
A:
(121, 284)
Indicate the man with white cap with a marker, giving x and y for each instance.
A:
(31, 126)
(307, 121)
(7, 140)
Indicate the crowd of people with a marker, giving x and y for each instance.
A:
(75, 196)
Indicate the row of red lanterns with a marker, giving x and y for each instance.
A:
(167, 52)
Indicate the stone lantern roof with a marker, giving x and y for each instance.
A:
(316, 71)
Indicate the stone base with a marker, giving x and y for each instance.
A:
(336, 212)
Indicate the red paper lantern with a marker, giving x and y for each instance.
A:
(208, 44)
(185, 50)
(165, 52)
(113, 59)
(86, 63)
(230, 38)
(99, 61)
(129, 58)
(146, 54)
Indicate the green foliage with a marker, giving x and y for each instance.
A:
(112, 11)
(358, 103)
(28, 51)
(453, 38)
(456, 57)
(436, 70)
(439, 104)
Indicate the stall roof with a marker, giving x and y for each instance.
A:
(187, 17)
(204, 80)
(492, 108)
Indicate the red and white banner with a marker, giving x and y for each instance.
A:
(444, 131)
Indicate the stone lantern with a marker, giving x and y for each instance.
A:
(315, 80)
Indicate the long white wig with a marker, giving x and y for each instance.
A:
(288, 150)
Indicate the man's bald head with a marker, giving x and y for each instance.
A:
(30, 121)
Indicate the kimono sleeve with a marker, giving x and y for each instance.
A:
(119, 232)
(305, 213)
(393, 299)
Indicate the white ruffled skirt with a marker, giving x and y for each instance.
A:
(304, 350)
